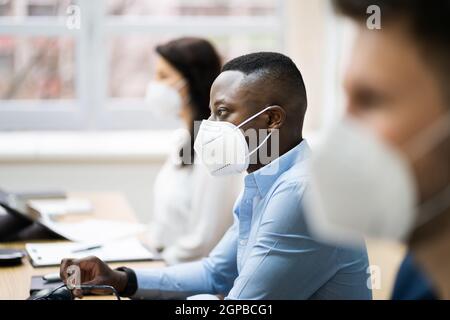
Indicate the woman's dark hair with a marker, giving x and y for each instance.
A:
(199, 63)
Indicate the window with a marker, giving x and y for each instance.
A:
(56, 76)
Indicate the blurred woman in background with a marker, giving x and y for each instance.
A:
(192, 209)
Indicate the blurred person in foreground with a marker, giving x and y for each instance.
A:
(383, 170)
(191, 208)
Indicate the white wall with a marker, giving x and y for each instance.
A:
(319, 41)
(307, 41)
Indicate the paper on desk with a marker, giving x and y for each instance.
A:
(95, 230)
(57, 207)
(51, 254)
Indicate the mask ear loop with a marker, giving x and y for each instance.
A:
(180, 84)
(244, 123)
(253, 117)
(436, 133)
(250, 119)
(261, 144)
(435, 206)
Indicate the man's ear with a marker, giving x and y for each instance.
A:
(277, 117)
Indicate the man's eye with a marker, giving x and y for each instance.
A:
(221, 112)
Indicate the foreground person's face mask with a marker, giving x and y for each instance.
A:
(222, 148)
(363, 187)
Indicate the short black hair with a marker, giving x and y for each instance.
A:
(428, 22)
(280, 74)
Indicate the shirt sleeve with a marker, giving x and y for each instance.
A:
(284, 247)
(212, 275)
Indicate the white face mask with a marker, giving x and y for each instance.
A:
(165, 100)
(361, 186)
(222, 148)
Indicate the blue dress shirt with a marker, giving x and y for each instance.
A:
(268, 252)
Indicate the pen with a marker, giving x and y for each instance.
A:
(87, 249)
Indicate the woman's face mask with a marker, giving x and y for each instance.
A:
(363, 186)
(165, 100)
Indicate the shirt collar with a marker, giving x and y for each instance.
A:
(265, 177)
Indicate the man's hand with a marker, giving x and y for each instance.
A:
(92, 271)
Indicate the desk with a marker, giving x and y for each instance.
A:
(15, 281)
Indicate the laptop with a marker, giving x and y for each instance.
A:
(17, 217)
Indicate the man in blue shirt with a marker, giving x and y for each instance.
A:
(268, 253)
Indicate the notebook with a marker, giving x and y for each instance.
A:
(125, 250)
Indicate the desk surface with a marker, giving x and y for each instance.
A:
(15, 281)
